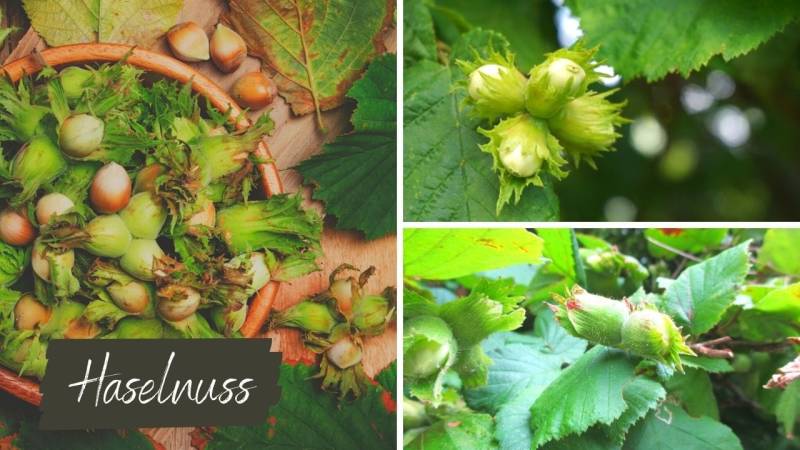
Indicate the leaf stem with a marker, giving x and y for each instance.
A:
(673, 249)
(311, 81)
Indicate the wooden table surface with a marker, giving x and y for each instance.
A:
(295, 139)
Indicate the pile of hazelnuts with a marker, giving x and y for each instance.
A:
(189, 42)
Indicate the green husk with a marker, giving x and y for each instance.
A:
(73, 81)
(62, 279)
(26, 354)
(611, 273)
(495, 86)
(104, 274)
(62, 315)
(586, 126)
(218, 156)
(144, 216)
(280, 225)
(80, 135)
(309, 316)
(104, 312)
(592, 317)
(371, 313)
(136, 328)
(429, 350)
(75, 182)
(562, 77)
(108, 236)
(352, 380)
(13, 262)
(229, 318)
(20, 119)
(140, 258)
(194, 327)
(643, 331)
(651, 334)
(522, 148)
(35, 164)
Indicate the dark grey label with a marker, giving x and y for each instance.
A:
(158, 383)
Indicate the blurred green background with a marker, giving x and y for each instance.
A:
(723, 144)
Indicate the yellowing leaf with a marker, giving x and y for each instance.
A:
(356, 175)
(441, 253)
(139, 22)
(315, 49)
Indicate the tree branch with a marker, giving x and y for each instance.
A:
(708, 348)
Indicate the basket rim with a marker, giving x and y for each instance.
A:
(26, 388)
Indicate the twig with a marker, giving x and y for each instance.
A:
(766, 346)
(721, 353)
(673, 249)
(707, 348)
(739, 393)
(679, 269)
(717, 341)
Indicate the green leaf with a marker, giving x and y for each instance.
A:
(643, 38)
(74, 182)
(787, 409)
(516, 368)
(694, 391)
(713, 365)
(306, 417)
(592, 242)
(376, 97)
(780, 249)
(440, 254)
(416, 304)
(8, 300)
(388, 379)
(472, 319)
(460, 431)
(31, 437)
(419, 39)
(773, 317)
(544, 284)
(640, 396)
(670, 428)
(448, 23)
(699, 296)
(446, 176)
(593, 439)
(314, 50)
(5, 31)
(513, 428)
(139, 22)
(561, 247)
(690, 240)
(555, 340)
(588, 392)
(21, 420)
(527, 24)
(356, 175)
(522, 368)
